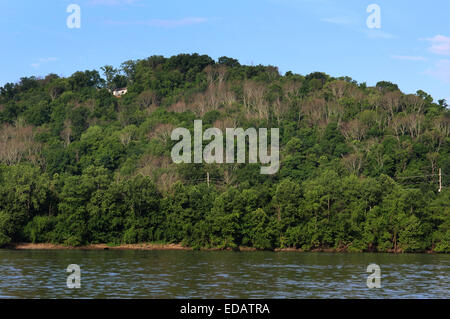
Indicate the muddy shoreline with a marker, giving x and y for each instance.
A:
(157, 246)
(143, 246)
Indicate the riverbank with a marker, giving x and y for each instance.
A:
(143, 246)
(162, 246)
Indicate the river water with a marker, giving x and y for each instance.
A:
(220, 274)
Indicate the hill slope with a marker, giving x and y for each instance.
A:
(359, 165)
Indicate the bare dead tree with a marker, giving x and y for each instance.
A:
(433, 158)
(211, 96)
(354, 130)
(226, 123)
(178, 107)
(211, 75)
(162, 132)
(125, 137)
(254, 101)
(338, 88)
(165, 181)
(279, 109)
(414, 103)
(440, 131)
(18, 143)
(226, 95)
(399, 126)
(66, 133)
(334, 112)
(353, 162)
(150, 165)
(221, 73)
(198, 104)
(413, 123)
(229, 174)
(146, 99)
(390, 102)
(316, 111)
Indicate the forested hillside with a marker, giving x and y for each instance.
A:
(359, 165)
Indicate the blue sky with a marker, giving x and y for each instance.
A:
(412, 47)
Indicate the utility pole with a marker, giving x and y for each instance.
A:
(440, 180)
(207, 178)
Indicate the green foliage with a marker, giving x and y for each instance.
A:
(358, 168)
(387, 86)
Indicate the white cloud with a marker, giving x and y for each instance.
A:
(174, 22)
(168, 23)
(339, 20)
(378, 34)
(352, 24)
(41, 61)
(111, 3)
(440, 71)
(409, 58)
(440, 44)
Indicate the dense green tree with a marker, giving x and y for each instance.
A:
(24, 193)
(359, 165)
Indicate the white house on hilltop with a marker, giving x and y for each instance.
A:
(120, 92)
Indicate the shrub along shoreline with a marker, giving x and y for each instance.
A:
(160, 246)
